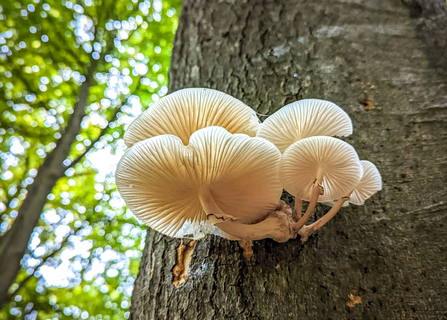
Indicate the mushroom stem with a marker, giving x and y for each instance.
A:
(276, 226)
(306, 231)
(316, 192)
(296, 215)
(214, 213)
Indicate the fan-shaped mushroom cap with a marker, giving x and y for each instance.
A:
(333, 162)
(161, 179)
(303, 119)
(185, 111)
(370, 183)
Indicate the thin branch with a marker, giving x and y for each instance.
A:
(103, 131)
(9, 199)
(44, 260)
(52, 254)
(90, 147)
(22, 130)
(73, 56)
(83, 174)
(19, 75)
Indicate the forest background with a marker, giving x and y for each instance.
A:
(110, 59)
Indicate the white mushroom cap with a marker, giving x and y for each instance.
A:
(333, 162)
(161, 179)
(303, 119)
(370, 183)
(185, 111)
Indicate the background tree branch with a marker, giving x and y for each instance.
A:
(15, 240)
(103, 131)
(23, 282)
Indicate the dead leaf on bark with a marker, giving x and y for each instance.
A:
(247, 246)
(368, 104)
(181, 269)
(353, 300)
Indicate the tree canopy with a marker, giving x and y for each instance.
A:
(84, 253)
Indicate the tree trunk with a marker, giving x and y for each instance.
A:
(384, 62)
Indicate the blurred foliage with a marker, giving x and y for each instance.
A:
(83, 256)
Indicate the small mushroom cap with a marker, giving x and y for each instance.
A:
(332, 161)
(370, 183)
(160, 179)
(185, 111)
(305, 118)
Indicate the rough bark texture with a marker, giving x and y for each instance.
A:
(391, 252)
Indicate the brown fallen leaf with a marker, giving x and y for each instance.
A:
(368, 104)
(247, 246)
(353, 300)
(181, 269)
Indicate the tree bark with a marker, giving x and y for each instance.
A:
(385, 63)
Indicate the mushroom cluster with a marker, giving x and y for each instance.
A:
(200, 162)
